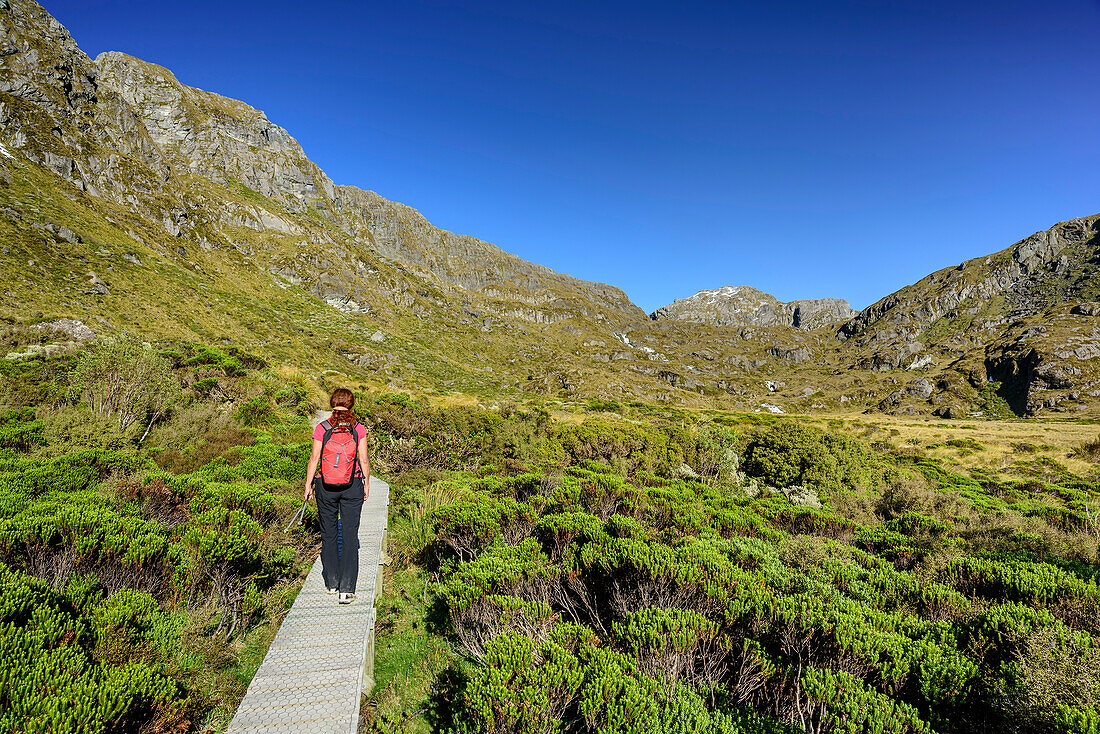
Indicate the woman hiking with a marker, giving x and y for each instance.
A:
(340, 446)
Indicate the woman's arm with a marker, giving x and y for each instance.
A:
(364, 464)
(312, 470)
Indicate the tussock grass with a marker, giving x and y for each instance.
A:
(1088, 451)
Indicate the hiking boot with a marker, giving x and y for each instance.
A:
(346, 597)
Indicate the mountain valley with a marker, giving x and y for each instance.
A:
(130, 201)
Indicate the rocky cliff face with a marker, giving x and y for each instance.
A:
(747, 306)
(536, 293)
(54, 111)
(214, 136)
(229, 142)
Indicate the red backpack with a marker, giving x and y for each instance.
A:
(339, 456)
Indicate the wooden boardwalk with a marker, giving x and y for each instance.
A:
(323, 655)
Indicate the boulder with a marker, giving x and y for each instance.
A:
(920, 387)
(69, 327)
(95, 285)
(792, 354)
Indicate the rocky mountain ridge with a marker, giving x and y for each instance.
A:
(140, 203)
(1018, 317)
(229, 142)
(747, 306)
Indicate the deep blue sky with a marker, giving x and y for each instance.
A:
(810, 149)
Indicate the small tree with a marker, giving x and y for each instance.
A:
(124, 379)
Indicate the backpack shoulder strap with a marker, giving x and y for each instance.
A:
(355, 435)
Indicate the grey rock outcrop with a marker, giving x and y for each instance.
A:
(920, 387)
(792, 354)
(95, 285)
(70, 328)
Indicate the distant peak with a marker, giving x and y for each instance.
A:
(743, 305)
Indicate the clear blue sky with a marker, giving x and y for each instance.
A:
(810, 149)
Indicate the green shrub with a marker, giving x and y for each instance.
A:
(615, 697)
(50, 678)
(196, 436)
(83, 525)
(521, 686)
(70, 428)
(232, 364)
(205, 386)
(468, 527)
(992, 403)
(842, 703)
(36, 380)
(1054, 682)
(669, 644)
(20, 430)
(256, 412)
(789, 453)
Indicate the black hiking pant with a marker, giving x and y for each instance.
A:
(338, 513)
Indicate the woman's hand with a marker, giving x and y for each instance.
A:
(311, 472)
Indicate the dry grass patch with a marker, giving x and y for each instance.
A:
(1003, 442)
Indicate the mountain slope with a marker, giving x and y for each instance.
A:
(1058, 265)
(129, 200)
(204, 211)
(1019, 318)
(227, 142)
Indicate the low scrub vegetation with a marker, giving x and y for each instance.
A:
(140, 578)
(670, 578)
(679, 573)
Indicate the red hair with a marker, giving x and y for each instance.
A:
(342, 401)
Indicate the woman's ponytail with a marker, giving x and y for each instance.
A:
(342, 403)
(342, 418)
